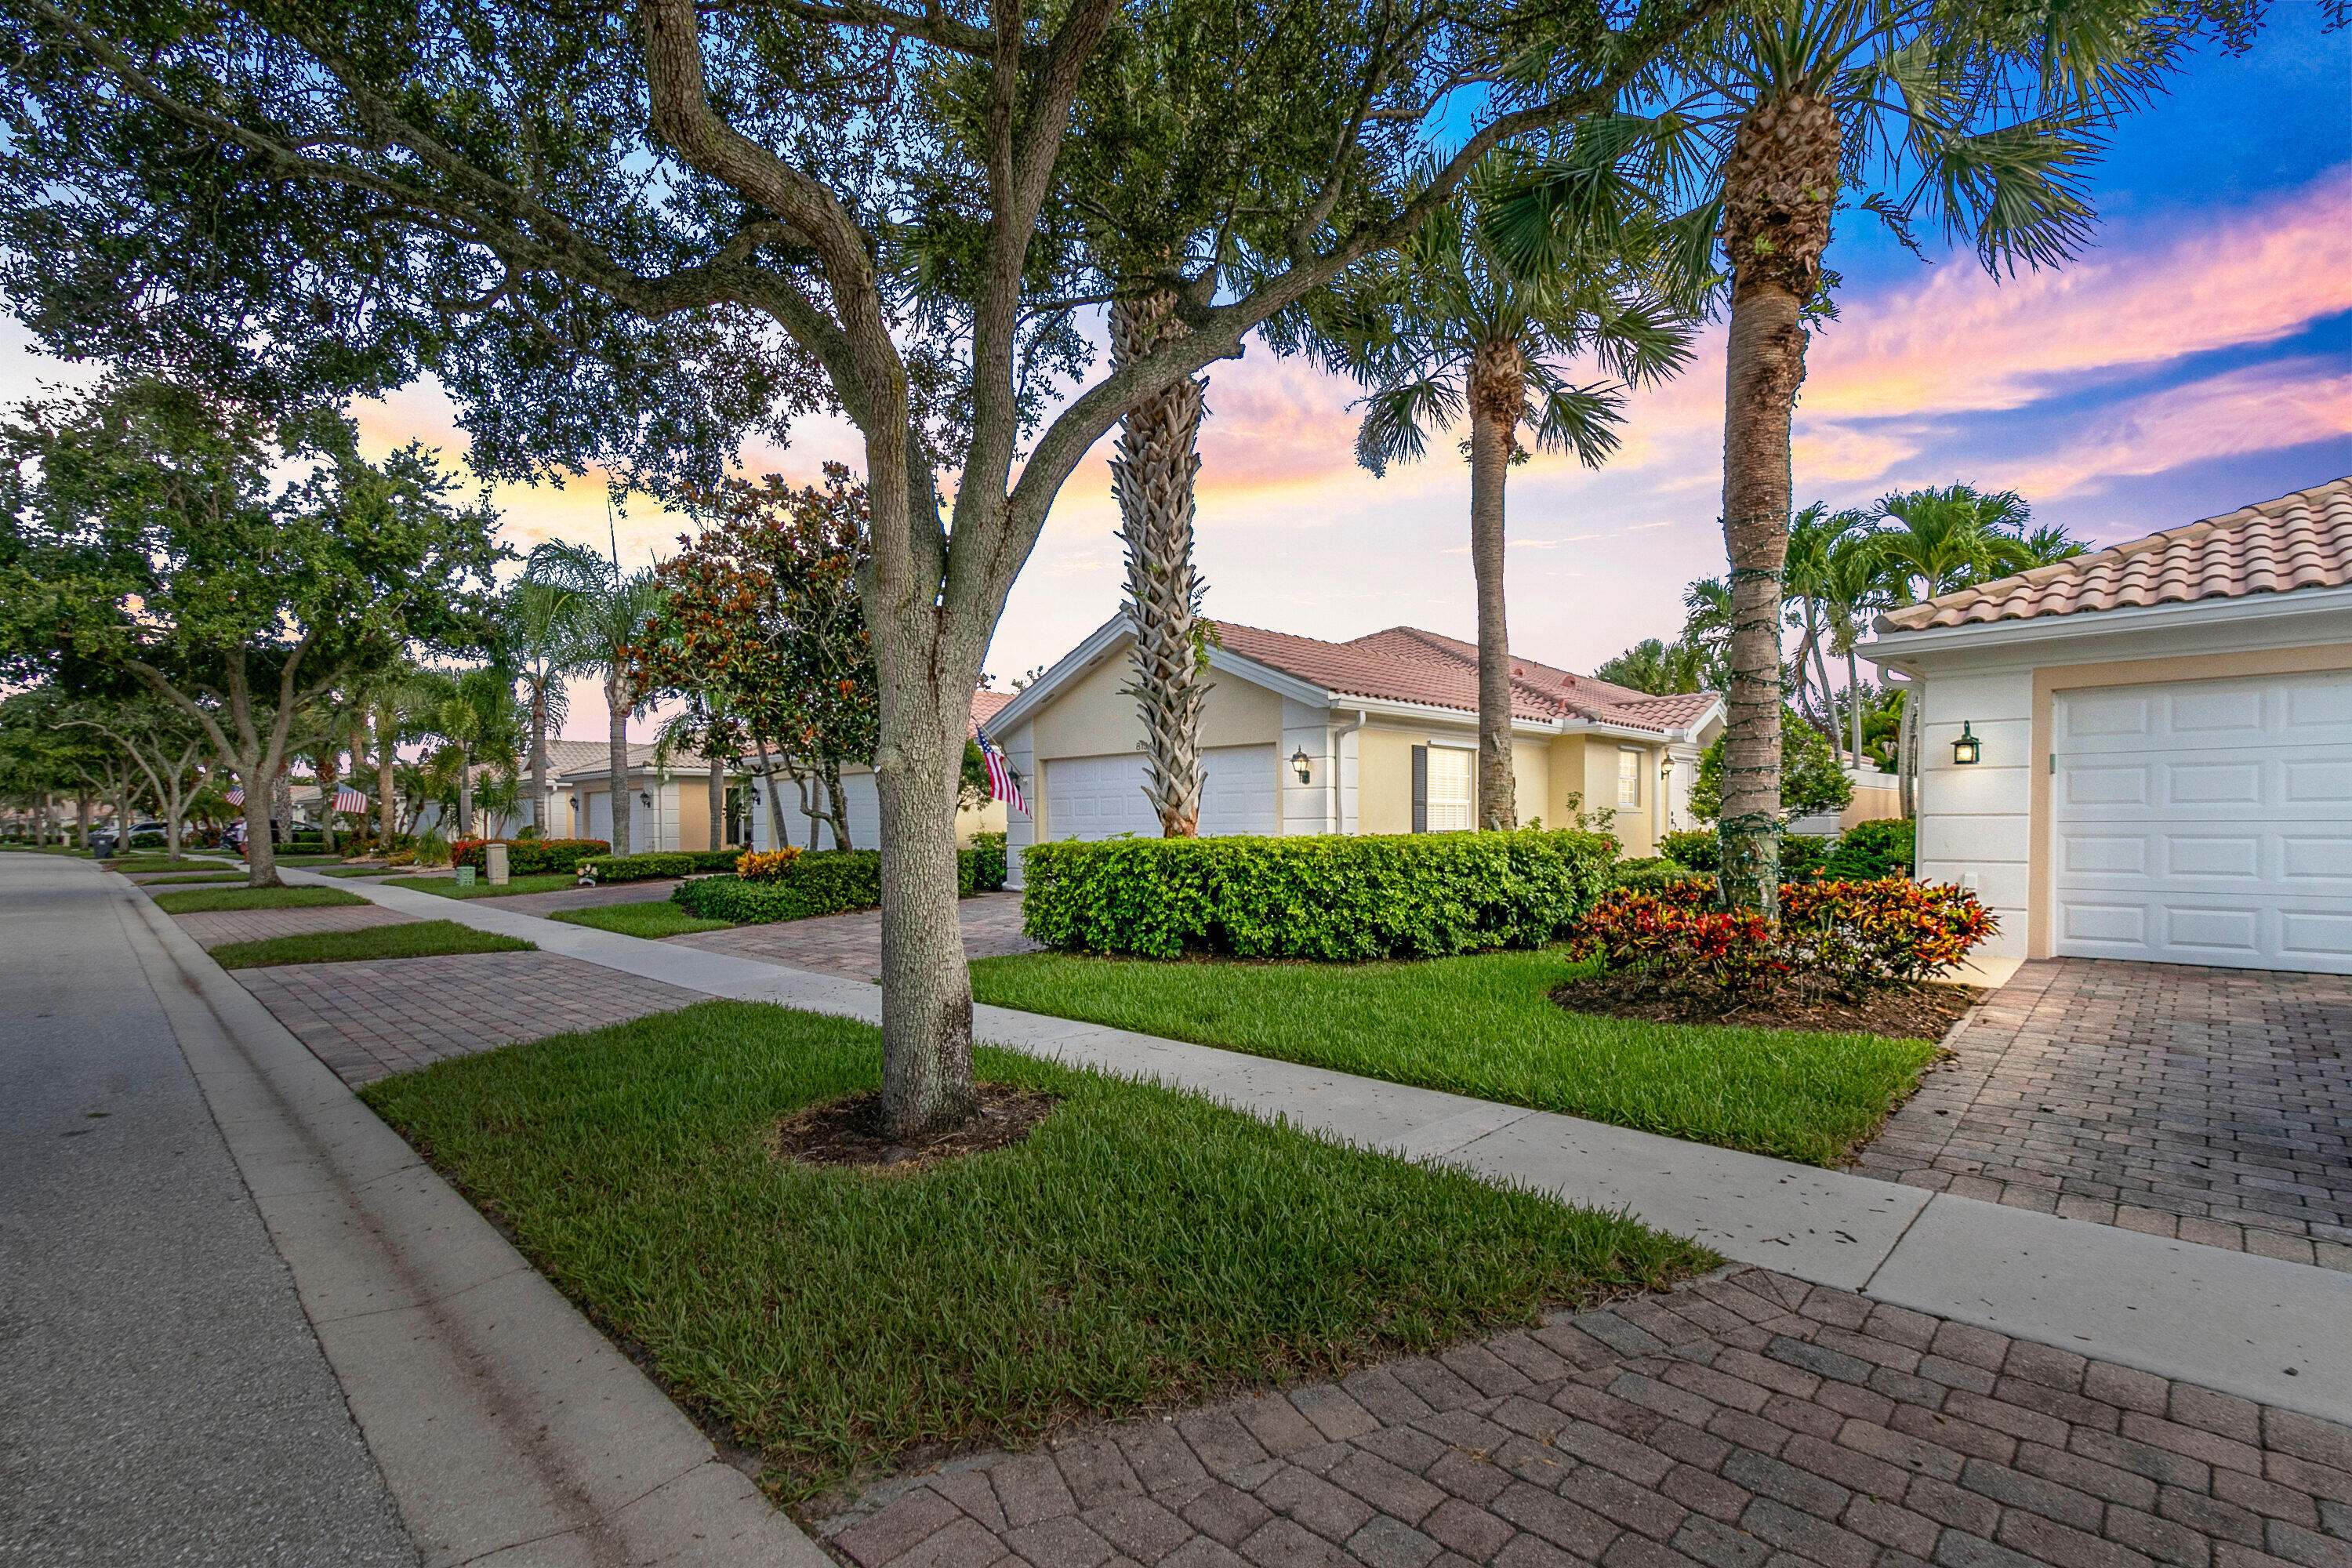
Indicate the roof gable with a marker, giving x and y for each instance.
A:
(2299, 540)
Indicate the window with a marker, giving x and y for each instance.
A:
(1628, 779)
(1450, 772)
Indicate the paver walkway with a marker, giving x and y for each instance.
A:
(587, 898)
(372, 1019)
(254, 925)
(851, 945)
(1746, 1420)
(2210, 1104)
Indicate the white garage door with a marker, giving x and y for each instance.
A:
(2206, 822)
(1102, 797)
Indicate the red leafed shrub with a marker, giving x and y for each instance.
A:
(1846, 936)
(766, 864)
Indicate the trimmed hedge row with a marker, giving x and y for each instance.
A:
(529, 856)
(1327, 897)
(824, 882)
(662, 863)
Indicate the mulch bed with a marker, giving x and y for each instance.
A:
(1915, 1010)
(848, 1131)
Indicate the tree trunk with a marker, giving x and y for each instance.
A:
(539, 758)
(775, 804)
(618, 760)
(465, 793)
(718, 801)
(1497, 388)
(1780, 189)
(123, 816)
(85, 804)
(41, 823)
(1854, 701)
(260, 854)
(1151, 475)
(387, 804)
(837, 804)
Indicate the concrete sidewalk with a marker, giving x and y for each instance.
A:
(408, 1356)
(2152, 1303)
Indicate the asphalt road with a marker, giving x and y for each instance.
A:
(162, 1399)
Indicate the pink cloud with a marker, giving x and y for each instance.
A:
(2287, 403)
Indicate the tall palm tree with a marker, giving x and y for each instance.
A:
(1814, 536)
(475, 713)
(612, 610)
(1853, 588)
(1980, 120)
(539, 637)
(1442, 332)
(1151, 475)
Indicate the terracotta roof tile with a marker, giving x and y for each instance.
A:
(1405, 664)
(2301, 540)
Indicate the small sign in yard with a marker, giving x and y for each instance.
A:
(465, 876)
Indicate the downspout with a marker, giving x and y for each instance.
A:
(1338, 800)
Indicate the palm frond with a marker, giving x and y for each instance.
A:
(1393, 416)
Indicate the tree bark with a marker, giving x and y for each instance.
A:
(465, 793)
(1780, 189)
(84, 805)
(837, 804)
(618, 758)
(718, 801)
(1151, 475)
(539, 758)
(1497, 389)
(1854, 700)
(387, 805)
(774, 803)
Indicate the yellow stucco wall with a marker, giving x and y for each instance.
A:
(1093, 717)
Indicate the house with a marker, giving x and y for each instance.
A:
(1375, 735)
(564, 757)
(672, 809)
(864, 802)
(2147, 753)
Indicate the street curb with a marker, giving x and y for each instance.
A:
(509, 1430)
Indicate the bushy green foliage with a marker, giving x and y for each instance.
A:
(1811, 778)
(662, 863)
(1803, 855)
(1870, 851)
(1326, 897)
(986, 857)
(1699, 850)
(1803, 858)
(529, 856)
(823, 882)
(1650, 875)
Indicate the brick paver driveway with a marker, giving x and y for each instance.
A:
(371, 1020)
(2210, 1104)
(851, 945)
(1752, 1420)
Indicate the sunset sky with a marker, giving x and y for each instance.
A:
(2197, 359)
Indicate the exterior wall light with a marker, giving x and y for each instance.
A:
(1967, 748)
(644, 798)
(1299, 764)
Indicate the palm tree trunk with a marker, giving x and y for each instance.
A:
(1497, 388)
(718, 801)
(465, 793)
(1780, 187)
(387, 793)
(1854, 701)
(1153, 471)
(327, 772)
(539, 758)
(617, 704)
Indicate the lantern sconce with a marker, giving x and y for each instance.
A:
(644, 798)
(1299, 763)
(1967, 748)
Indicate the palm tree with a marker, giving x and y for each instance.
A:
(1980, 120)
(1814, 536)
(539, 637)
(1442, 331)
(1852, 587)
(1151, 475)
(612, 610)
(475, 713)
(1659, 668)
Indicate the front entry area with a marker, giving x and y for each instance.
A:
(2206, 821)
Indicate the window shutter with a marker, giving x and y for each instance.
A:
(1421, 789)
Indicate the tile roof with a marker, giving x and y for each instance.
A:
(1405, 664)
(985, 704)
(2301, 540)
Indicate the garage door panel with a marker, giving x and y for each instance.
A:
(2206, 821)
(1239, 791)
(1102, 797)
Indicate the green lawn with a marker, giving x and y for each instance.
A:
(417, 939)
(164, 863)
(651, 918)
(209, 901)
(192, 878)
(356, 870)
(1142, 1247)
(312, 860)
(1485, 1025)
(447, 887)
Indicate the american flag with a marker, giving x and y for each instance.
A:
(350, 800)
(1002, 784)
(235, 797)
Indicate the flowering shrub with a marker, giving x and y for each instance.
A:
(1850, 936)
(766, 864)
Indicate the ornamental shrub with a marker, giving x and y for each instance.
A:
(766, 864)
(1676, 936)
(1652, 875)
(1802, 856)
(1327, 897)
(986, 857)
(817, 882)
(1869, 851)
(661, 863)
(1699, 850)
(530, 857)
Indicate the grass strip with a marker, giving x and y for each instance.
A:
(164, 863)
(357, 871)
(212, 900)
(148, 880)
(652, 918)
(447, 887)
(413, 939)
(1141, 1247)
(1485, 1025)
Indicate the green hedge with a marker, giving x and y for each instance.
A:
(1802, 856)
(825, 882)
(525, 856)
(661, 863)
(1325, 897)
(1869, 850)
